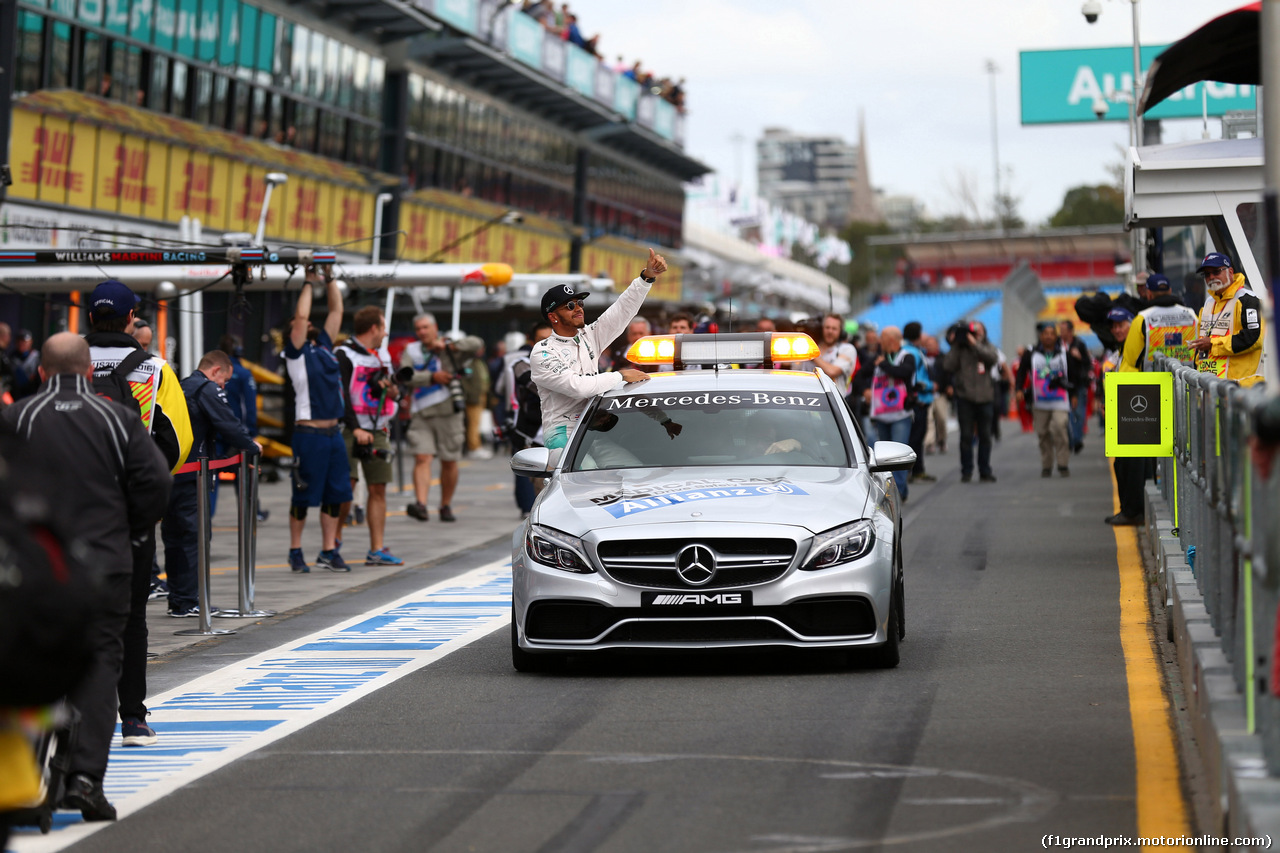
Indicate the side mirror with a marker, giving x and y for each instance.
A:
(531, 462)
(892, 456)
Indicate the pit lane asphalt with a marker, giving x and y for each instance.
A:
(1008, 718)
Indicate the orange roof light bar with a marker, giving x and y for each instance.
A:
(653, 349)
(755, 348)
(792, 346)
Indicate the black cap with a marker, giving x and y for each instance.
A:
(559, 295)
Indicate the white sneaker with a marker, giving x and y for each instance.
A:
(481, 452)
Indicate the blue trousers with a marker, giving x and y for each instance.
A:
(900, 431)
(1076, 418)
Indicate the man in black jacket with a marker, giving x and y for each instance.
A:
(1079, 375)
(109, 476)
(211, 417)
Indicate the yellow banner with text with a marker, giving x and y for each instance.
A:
(89, 167)
(611, 258)
(451, 237)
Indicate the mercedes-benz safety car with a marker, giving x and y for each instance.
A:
(726, 503)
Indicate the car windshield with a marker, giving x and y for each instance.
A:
(710, 428)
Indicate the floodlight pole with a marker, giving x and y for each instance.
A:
(993, 69)
(272, 179)
(1135, 130)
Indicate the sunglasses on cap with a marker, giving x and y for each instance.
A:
(571, 304)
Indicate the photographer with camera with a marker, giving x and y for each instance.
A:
(366, 418)
(892, 398)
(437, 426)
(1053, 397)
(969, 362)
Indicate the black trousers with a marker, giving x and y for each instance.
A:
(1132, 474)
(133, 670)
(95, 696)
(525, 493)
(180, 533)
(975, 420)
(919, 426)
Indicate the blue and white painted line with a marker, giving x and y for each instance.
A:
(211, 721)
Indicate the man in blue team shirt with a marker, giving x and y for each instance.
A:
(321, 475)
(241, 392)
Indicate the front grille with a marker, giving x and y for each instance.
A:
(685, 631)
(843, 616)
(739, 562)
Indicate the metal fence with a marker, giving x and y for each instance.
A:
(1224, 510)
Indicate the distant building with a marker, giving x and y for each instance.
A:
(902, 213)
(820, 178)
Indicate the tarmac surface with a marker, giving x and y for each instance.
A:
(484, 506)
(1007, 720)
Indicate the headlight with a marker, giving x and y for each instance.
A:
(557, 550)
(842, 544)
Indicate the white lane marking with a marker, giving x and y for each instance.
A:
(956, 801)
(212, 720)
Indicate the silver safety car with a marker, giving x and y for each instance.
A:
(736, 505)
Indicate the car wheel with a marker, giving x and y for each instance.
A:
(900, 597)
(886, 655)
(527, 661)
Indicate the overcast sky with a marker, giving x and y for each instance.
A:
(917, 70)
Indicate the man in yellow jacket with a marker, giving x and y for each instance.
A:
(163, 408)
(1232, 327)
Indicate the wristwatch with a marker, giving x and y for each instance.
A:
(646, 278)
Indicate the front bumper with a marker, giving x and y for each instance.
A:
(842, 607)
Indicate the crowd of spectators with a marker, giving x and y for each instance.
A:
(562, 21)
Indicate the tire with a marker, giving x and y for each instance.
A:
(900, 596)
(527, 661)
(886, 655)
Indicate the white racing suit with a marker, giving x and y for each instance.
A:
(567, 370)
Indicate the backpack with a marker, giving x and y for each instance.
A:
(115, 385)
(47, 595)
(526, 418)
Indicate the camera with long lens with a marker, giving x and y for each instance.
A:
(958, 335)
(368, 451)
(402, 376)
(457, 395)
(1058, 382)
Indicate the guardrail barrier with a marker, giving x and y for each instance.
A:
(247, 537)
(1225, 531)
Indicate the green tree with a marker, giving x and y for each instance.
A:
(1098, 205)
(1009, 215)
(859, 276)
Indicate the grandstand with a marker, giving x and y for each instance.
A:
(935, 311)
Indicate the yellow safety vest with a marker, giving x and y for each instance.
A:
(1222, 324)
(1170, 331)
